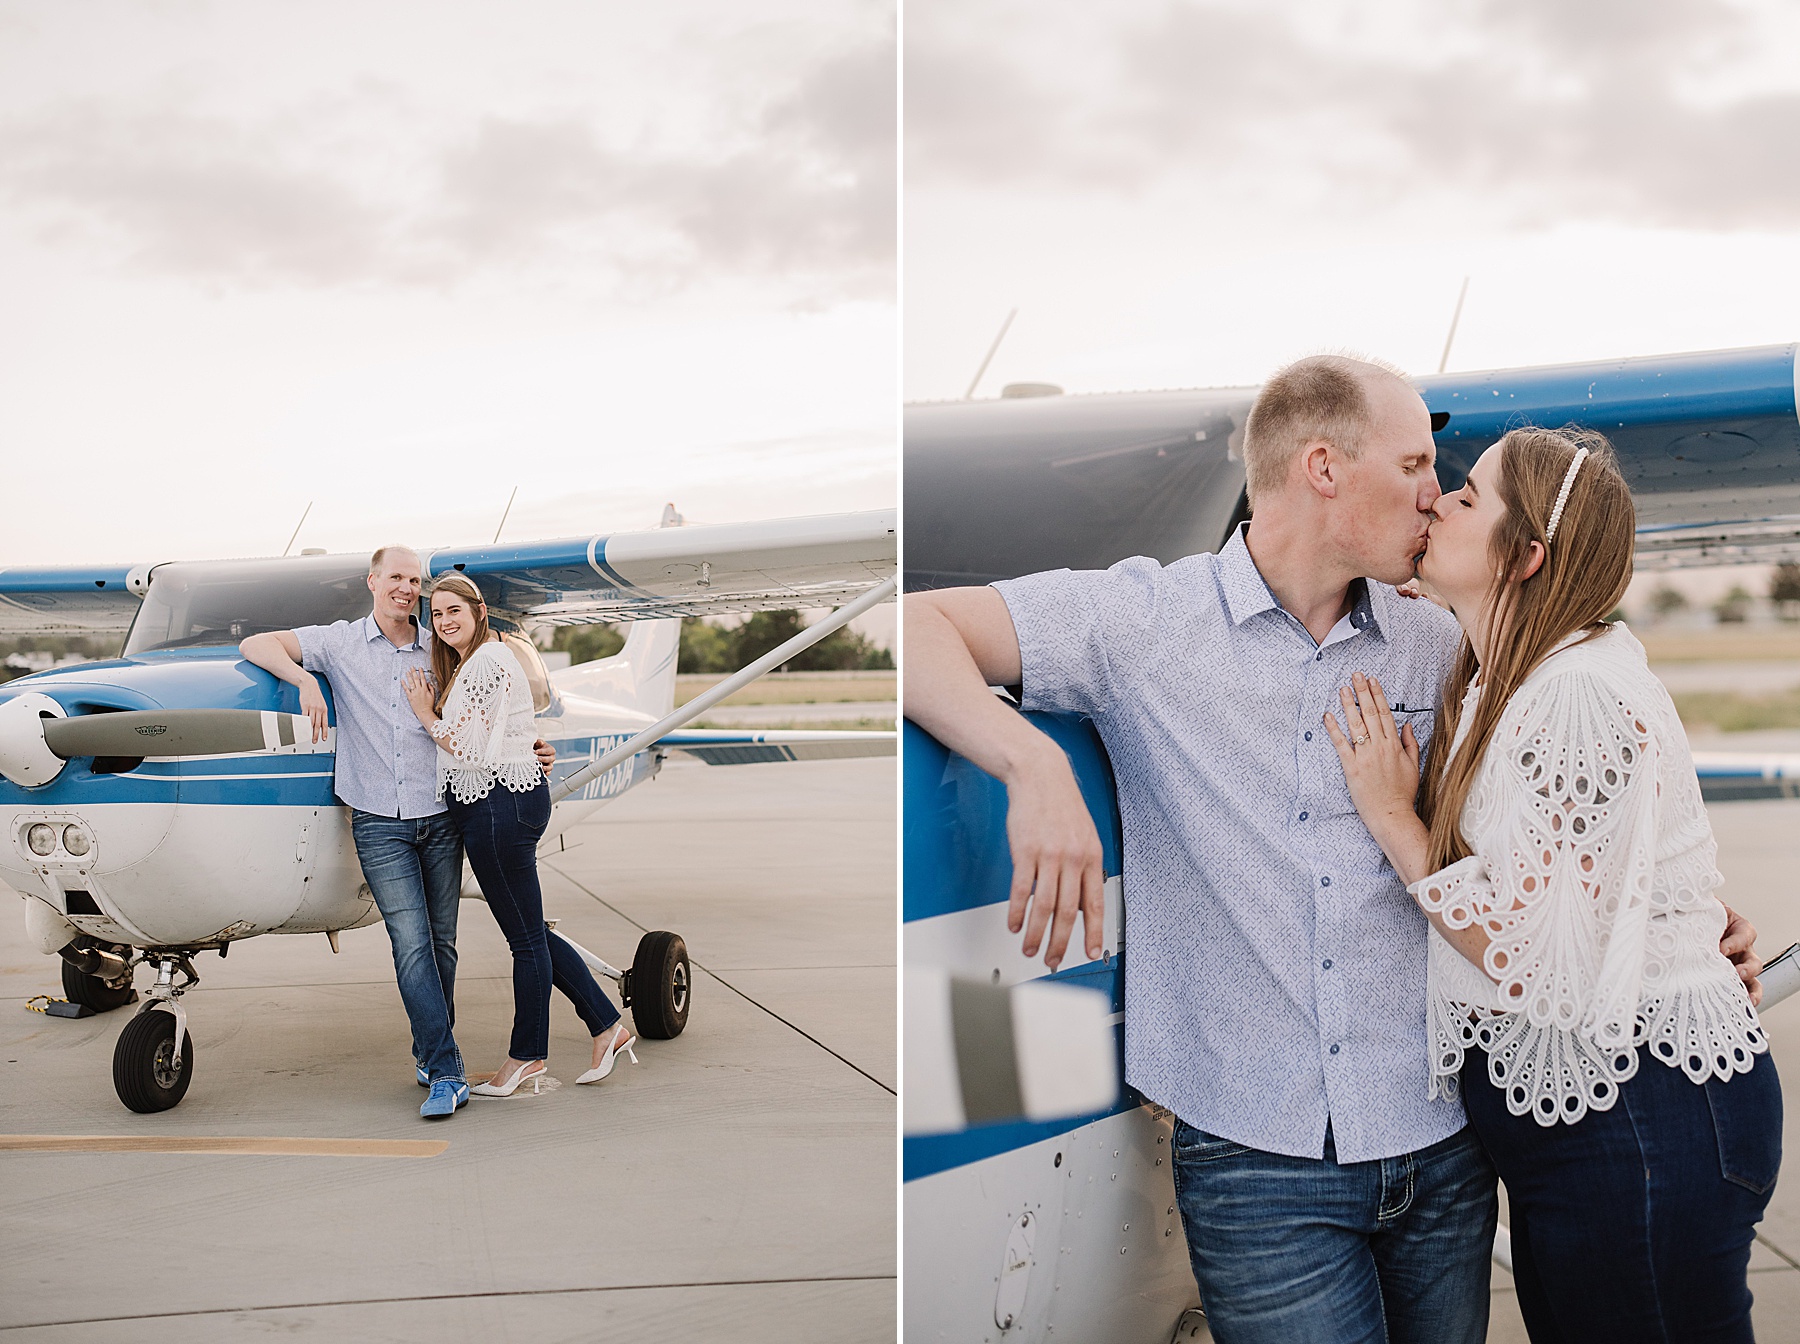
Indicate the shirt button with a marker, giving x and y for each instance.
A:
(1309, 737)
(1321, 656)
(1334, 1049)
(1326, 963)
(1303, 816)
(1324, 881)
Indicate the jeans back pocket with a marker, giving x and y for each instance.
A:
(1746, 1116)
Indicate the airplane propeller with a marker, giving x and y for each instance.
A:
(176, 732)
(37, 736)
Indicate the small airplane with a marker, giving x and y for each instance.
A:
(1032, 1213)
(172, 801)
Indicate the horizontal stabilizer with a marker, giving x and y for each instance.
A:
(724, 747)
(705, 570)
(1732, 777)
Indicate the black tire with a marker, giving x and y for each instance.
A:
(146, 1074)
(662, 984)
(94, 992)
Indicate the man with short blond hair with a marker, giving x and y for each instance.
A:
(1319, 397)
(1275, 981)
(386, 775)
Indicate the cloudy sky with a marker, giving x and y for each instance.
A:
(397, 259)
(1191, 192)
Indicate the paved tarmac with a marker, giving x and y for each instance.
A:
(738, 1184)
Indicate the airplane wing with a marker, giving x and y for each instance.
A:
(702, 570)
(755, 746)
(1709, 442)
(70, 599)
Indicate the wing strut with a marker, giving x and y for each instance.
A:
(774, 658)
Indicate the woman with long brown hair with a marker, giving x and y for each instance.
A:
(1563, 857)
(480, 712)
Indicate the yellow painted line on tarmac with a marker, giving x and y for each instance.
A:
(232, 1144)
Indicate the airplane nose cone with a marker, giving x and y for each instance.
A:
(25, 758)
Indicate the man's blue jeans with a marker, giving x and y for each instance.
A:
(414, 868)
(1289, 1249)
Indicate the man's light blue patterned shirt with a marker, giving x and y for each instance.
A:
(386, 761)
(1275, 966)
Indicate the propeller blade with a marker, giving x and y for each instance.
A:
(180, 732)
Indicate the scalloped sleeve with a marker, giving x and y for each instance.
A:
(1564, 831)
(473, 729)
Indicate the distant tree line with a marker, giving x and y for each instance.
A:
(1734, 607)
(707, 646)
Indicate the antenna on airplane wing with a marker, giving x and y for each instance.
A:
(297, 526)
(998, 337)
(506, 512)
(1455, 317)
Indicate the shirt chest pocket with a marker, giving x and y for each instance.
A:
(1411, 706)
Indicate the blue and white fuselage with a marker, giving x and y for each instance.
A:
(198, 852)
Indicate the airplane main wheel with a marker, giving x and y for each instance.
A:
(661, 986)
(93, 992)
(147, 1073)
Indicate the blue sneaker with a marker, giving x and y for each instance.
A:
(424, 1077)
(448, 1095)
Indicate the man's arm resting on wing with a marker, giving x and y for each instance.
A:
(278, 652)
(959, 642)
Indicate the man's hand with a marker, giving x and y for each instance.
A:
(312, 704)
(959, 642)
(546, 754)
(1056, 855)
(1739, 946)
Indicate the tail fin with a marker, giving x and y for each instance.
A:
(640, 676)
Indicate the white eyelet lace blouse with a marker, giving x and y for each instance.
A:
(487, 729)
(1593, 869)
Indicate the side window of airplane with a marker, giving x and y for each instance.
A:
(535, 671)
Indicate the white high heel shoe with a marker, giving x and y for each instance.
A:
(605, 1066)
(524, 1075)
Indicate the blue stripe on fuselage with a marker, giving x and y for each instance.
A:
(217, 678)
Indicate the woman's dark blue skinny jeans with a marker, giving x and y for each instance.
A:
(500, 835)
(1634, 1223)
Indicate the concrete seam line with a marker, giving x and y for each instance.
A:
(723, 981)
(231, 1145)
(454, 1297)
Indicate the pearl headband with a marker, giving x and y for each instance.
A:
(1562, 498)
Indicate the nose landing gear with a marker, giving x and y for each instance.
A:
(153, 1062)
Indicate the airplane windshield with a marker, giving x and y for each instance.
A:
(221, 602)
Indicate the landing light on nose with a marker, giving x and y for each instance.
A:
(41, 838)
(76, 840)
